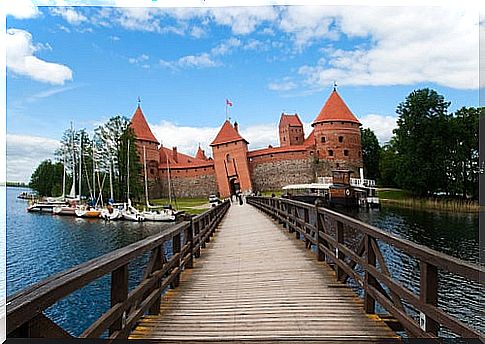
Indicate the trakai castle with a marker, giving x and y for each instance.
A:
(334, 143)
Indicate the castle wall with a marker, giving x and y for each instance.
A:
(273, 171)
(189, 182)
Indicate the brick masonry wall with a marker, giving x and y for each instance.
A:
(273, 175)
(191, 186)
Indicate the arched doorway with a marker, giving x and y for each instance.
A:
(234, 186)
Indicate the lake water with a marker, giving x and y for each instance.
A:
(39, 245)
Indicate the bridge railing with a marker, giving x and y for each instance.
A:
(361, 259)
(25, 309)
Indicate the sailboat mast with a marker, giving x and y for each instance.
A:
(64, 177)
(94, 174)
(169, 185)
(111, 180)
(72, 193)
(146, 181)
(128, 173)
(80, 161)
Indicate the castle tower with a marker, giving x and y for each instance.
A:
(337, 135)
(145, 138)
(230, 150)
(291, 130)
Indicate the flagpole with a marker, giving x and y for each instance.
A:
(226, 109)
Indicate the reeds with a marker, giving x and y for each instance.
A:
(447, 204)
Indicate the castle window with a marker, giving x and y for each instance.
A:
(330, 152)
(152, 171)
(228, 158)
(323, 139)
(284, 138)
(359, 154)
(235, 143)
(340, 139)
(297, 138)
(346, 152)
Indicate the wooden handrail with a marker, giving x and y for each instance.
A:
(25, 309)
(330, 246)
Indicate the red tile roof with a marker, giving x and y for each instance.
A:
(183, 160)
(200, 154)
(335, 109)
(271, 150)
(290, 120)
(141, 128)
(310, 140)
(227, 134)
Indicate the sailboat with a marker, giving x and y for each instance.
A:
(70, 208)
(158, 214)
(91, 210)
(111, 212)
(129, 212)
(50, 203)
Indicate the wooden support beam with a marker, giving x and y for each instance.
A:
(119, 294)
(369, 301)
(340, 240)
(176, 246)
(428, 293)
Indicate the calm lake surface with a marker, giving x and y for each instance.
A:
(40, 245)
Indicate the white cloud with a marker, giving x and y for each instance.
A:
(24, 153)
(226, 47)
(187, 139)
(114, 38)
(21, 60)
(51, 92)
(381, 125)
(199, 61)
(139, 59)
(284, 85)
(69, 14)
(406, 46)
(21, 9)
(243, 20)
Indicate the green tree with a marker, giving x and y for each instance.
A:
(388, 164)
(421, 142)
(371, 151)
(112, 140)
(463, 162)
(47, 179)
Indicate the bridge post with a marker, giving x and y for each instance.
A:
(319, 227)
(340, 256)
(196, 225)
(294, 222)
(158, 257)
(369, 301)
(190, 238)
(428, 293)
(119, 293)
(176, 247)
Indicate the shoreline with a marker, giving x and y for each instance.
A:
(452, 206)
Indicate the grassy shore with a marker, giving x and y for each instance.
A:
(189, 205)
(405, 199)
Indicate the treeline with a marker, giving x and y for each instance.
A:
(432, 152)
(93, 159)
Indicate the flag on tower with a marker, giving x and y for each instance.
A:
(228, 102)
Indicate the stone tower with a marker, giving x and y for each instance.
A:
(337, 135)
(291, 130)
(230, 152)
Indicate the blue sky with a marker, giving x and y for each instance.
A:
(85, 64)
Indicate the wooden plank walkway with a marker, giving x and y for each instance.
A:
(255, 282)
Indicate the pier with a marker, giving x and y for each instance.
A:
(272, 269)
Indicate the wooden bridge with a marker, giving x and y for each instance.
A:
(236, 274)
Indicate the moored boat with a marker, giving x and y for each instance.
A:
(88, 212)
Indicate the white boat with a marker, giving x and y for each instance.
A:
(111, 213)
(163, 215)
(65, 210)
(44, 206)
(130, 213)
(88, 212)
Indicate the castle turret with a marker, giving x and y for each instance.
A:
(230, 150)
(145, 138)
(291, 130)
(337, 134)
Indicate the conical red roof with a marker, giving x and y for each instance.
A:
(335, 109)
(200, 154)
(227, 134)
(141, 128)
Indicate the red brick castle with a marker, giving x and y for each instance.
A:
(333, 143)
